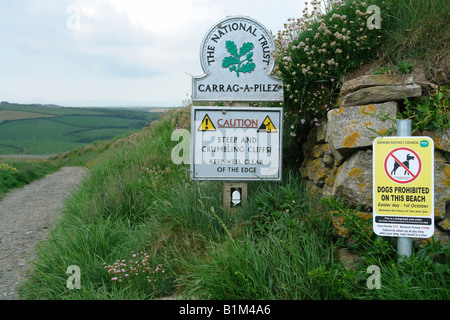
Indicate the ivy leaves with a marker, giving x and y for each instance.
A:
(235, 62)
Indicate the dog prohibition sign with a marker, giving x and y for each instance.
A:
(403, 165)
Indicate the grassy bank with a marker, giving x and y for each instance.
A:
(17, 172)
(138, 228)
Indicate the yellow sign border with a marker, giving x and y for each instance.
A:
(415, 199)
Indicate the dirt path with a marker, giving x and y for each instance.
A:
(26, 215)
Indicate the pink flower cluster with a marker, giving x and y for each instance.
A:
(122, 270)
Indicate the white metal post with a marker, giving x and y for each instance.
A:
(404, 245)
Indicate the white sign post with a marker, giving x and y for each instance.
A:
(236, 58)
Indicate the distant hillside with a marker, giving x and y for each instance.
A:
(36, 129)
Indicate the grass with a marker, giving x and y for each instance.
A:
(15, 172)
(416, 30)
(281, 245)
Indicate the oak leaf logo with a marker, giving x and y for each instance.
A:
(240, 61)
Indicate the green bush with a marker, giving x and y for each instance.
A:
(429, 113)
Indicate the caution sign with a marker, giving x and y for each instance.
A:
(267, 126)
(236, 144)
(206, 124)
(403, 188)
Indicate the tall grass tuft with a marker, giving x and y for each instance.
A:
(271, 259)
(416, 30)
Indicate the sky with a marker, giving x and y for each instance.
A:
(114, 52)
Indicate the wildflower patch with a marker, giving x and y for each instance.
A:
(138, 271)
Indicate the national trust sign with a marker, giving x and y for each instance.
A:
(236, 57)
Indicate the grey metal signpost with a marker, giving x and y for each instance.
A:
(403, 187)
(404, 245)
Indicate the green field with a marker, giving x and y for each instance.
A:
(47, 130)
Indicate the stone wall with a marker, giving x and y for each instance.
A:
(338, 154)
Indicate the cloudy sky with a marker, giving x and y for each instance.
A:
(114, 52)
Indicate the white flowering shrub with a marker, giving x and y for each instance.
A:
(315, 51)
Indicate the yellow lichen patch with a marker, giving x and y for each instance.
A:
(447, 176)
(340, 110)
(382, 131)
(364, 215)
(321, 175)
(319, 150)
(350, 141)
(331, 177)
(351, 126)
(361, 187)
(355, 173)
(367, 124)
(444, 224)
(367, 110)
(438, 143)
(338, 224)
(438, 213)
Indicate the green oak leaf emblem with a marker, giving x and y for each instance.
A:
(239, 61)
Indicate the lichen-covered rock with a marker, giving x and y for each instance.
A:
(337, 220)
(317, 171)
(313, 189)
(338, 157)
(439, 236)
(319, 167)
(354, 180)
(375, 80)
(349, 259)
(381, 94)
(444, 224)
(322, 131)
(441, 140)
(351, 127)
(441, 188)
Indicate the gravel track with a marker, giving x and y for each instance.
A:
(26, 217)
